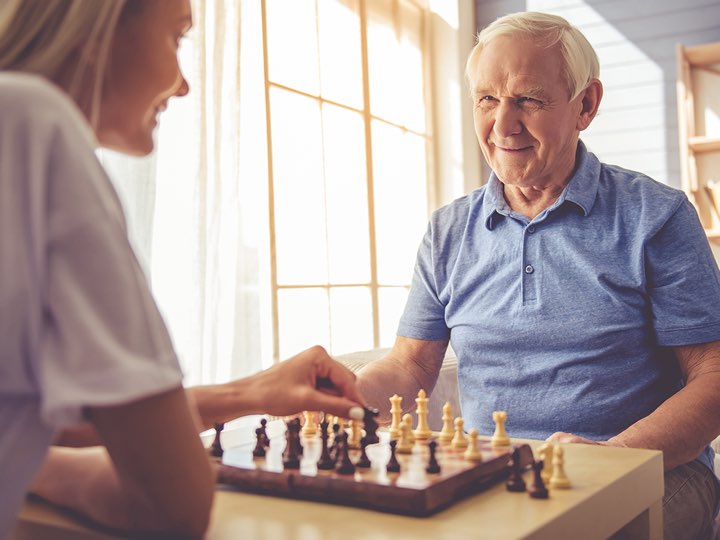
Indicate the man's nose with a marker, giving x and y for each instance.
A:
(507, 119)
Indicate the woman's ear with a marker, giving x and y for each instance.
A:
(590, 99)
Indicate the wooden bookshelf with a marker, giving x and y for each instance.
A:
(698, 78)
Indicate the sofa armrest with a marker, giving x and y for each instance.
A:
(445, 391)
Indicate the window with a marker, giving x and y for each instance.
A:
(349, 145)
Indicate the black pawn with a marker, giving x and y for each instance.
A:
(515, 481)
(344, 465)
(216, 449)
(371, 425)
(263, 427)
(393, 465)
(363, 461)
(326, 462)
(433, 466)
(538, 489)
(290, 456)
(259, 450)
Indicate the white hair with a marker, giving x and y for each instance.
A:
(580, 61)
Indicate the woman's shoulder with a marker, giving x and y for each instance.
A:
(35, 101)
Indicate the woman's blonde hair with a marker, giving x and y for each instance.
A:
(67, 41)
(581, 63)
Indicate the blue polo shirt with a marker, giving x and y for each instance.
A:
(564, 320)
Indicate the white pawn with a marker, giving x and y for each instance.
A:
(447, 432)
(309, 429)
(545, 453)
(396, 412)
(559, 479)
(473, 451)
(405, 443)
(422, 431)
(459, 441)
(354, 438)
(500, 437)
(407, 421)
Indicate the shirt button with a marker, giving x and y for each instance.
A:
(531, 229)
(529, 269)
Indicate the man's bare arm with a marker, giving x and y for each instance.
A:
(685, 423)
(410, 365)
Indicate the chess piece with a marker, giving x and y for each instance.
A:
(538, 489)
(326, 462)
(422, 431)
(309, 429)
(259, 450)
(292, 438)
(515, 481)
(371, 425)
(363, 461)
(433, 466)
(393, 465)
(344, 465)
(473, 451)
(396, 412)
(459, 442)
(216, 449)
(559, 479)
(263, 426)
(336, 440)
(407, 420)
(447, 432)
(500, 437)
(354, 439)
(545, 453)
(405, 443)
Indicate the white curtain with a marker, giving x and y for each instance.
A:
(198, 222)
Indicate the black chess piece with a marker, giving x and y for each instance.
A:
(263, 427)
(371, 425)
(538, 489)
(393, 465)
(326, 462)
(295, 426)
(433, 465)
(515, 481)
(363, 461)
(344, 465)
(216, 449)
(292, 437)
(259, 450)
(334, 445)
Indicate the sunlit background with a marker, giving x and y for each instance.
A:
(289, 191)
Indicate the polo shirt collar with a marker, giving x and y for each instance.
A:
(581, 190)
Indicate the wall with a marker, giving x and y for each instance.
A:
(635, 41)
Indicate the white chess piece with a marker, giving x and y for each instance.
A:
(422, 430)
(309, 429)
(559, 479)
(545, 453)
(396, 412)
(407, 420)
(473, 451)
(405, 443)
(447, 432)
(459, 441)
(500, 437)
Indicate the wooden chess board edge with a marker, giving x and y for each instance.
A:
(382, 497)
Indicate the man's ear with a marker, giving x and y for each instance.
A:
(590, 99)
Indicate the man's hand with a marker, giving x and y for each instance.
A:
(562, 437)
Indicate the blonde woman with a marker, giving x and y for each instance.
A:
(81, 339)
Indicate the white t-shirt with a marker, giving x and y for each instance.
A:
(78, 324)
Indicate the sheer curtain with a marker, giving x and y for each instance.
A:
(199, 225)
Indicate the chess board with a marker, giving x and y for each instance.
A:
(412, 491)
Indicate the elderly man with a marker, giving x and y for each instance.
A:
(580, 297)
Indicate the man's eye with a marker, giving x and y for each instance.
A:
(529, 102)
